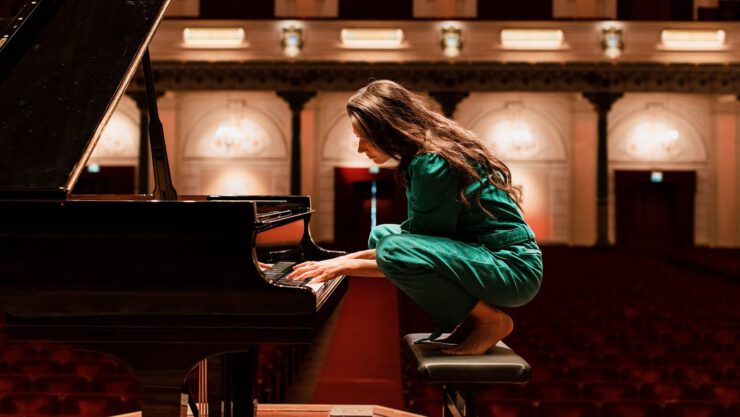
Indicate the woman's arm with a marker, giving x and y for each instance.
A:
(364, 254)
(334, 268)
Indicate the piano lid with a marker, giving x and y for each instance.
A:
(62, 72)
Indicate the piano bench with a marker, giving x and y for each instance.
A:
(462, 376)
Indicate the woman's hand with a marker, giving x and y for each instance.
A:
(329, 269)
(320, 271)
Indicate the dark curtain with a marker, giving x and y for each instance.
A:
(515, 10)
(653, 216)
(237, 9)
(655, 10)
(376, 9)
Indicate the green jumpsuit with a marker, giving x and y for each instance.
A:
(447, 256)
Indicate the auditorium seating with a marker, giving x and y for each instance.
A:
(614, 334)
(48, 379)
(609, 335)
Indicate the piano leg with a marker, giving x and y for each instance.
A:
(238, 374)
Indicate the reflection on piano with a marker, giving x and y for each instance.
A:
(160, 281)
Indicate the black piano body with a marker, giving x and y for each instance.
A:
(161, 284)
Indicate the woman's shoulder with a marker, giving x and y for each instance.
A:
(428, 163)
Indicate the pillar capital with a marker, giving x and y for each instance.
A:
(140, 99)
(602, 101)
(296, 99)
(449, 100)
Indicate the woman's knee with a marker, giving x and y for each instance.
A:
(381, 231)
(396, 257)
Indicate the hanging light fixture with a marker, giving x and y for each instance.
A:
(611, 42)
(451, 41)
(292, 40)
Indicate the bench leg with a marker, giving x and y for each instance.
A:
(459, 402)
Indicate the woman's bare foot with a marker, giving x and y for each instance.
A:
(460, 333)
(490, 325)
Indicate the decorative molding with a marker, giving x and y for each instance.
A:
(446, 76)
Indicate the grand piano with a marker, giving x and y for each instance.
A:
(160, 281)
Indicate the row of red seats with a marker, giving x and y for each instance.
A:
(582, 408)
(609, 326)
(723, 393)
(79, 405)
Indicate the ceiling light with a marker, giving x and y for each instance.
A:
(213, 37)
(292, 41)
(532, 38)
(451, 41)
(692, 39)
(611, 42)
(372, 38)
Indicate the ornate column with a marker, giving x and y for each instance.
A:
(140, 98)
(296, 100)
(602, 103)
(449, 100)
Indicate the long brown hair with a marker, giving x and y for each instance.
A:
(401, 124)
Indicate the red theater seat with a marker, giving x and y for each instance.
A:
(36, 367)
(92, 405)
(14, 352)
(567, 408)
(630, 409)
(697, 375)
(14, 383)
(693, 409)
(506, 408)
(554, 390)
(647, 375)
(502, 392)
(725, 393)
(593, 373)
(30, 404)
(546, 373)
(94, 368)
(61, 385)
(667, 391)
(609, 391)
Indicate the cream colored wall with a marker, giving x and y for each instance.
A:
(543, 172)
(263, 170)
(562, 174)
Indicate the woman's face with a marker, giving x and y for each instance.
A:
(370, 150)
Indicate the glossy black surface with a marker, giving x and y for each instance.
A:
(59, 77)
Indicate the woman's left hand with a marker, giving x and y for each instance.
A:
(319, 271)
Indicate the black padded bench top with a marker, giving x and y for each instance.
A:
(499, 365)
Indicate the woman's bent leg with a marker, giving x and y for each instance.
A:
(489, 326)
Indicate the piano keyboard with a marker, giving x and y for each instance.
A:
(279, 270)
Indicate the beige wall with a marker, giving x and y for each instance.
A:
(560, 176)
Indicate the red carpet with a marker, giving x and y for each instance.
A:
(363, 364)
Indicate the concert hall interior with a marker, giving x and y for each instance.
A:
(619, 120)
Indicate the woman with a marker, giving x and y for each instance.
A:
(464, 249)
